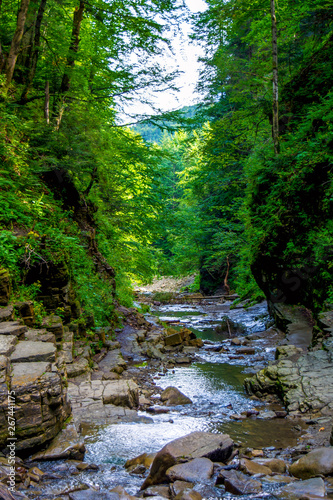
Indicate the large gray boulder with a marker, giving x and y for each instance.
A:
(197, 470)
(172, 396)
(216, 447)
(316, 462)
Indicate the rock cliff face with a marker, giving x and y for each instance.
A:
(304, 384)
(30, 375)
(302, 379)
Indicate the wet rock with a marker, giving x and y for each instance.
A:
(278, 478)
(311, 488)
(5, 494)
(235, 416)
(216, 447)
(123, 495)
(246, 350)
(27, 350)
(138, 469)
(319, 461)
(184, 360)
(188, 495)
(236, 341)
(153, 491)
(67, 444)
(172, 396)
(94, 495)
(266, 415)
(157, 410)
(179, 486)
(237, 483)
(197, 470)
(257, 453)
(275, 464)
(145, 459)
(85, 466)
(251, 467)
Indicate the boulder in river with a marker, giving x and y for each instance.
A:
(197, 470)
(251, 467)
(216, 447)
(316, 462)
(311, 488)
(237, 483)
(172, 396)
(145, 459)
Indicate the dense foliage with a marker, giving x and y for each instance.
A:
(80, 192)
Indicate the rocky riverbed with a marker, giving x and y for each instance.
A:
(180, 382)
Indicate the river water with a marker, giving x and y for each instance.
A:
(215, 385)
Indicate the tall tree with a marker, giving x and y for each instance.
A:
(16, 42)
(275, 128)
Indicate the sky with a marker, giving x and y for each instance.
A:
(185, 58)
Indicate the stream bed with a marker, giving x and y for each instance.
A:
(215, 385)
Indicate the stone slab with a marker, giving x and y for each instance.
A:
(26, 373)
(30, 351)
(6, 313)
(12, 328)
(7, 344)
(41, 335)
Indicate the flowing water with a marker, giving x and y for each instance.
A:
(215, 385)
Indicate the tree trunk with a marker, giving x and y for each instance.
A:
(16, 42)
(32, 59)
(47, 103)
(275, 128)
(2, 59)
(74, 47)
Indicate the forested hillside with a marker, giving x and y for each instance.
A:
(241, 192)
(257, 209)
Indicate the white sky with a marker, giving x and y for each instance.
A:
(186, 60)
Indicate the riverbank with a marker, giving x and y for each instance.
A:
(124, 383)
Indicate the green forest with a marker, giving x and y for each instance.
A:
(237, 189)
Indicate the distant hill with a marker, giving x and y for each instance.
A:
(154, 133)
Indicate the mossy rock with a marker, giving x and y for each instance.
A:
(5, 287)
